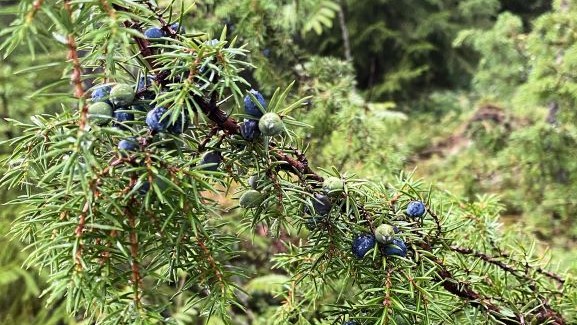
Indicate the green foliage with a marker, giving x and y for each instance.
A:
(320, 18)
(502, 67)
(21, 287)
(552, 44)
(531, 162)
(402, 48)
(153, 236)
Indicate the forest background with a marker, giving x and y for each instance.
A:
(476, 97)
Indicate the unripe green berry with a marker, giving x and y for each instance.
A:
(333, 185)
(385, 233)
(250, 199)
(122, 94)
(99, 113)
(270, 124)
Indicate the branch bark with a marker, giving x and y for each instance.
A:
(542, 315)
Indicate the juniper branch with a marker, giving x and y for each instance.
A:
(230, 126)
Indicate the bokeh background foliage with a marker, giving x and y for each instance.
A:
(476, 97)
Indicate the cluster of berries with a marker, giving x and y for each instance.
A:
(384, 236)
(258, 123)
(320, 202)
(120, 103)
(117, 102)
(122, 100)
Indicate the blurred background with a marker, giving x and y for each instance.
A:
(477, 97)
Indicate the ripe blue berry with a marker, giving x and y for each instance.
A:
(350, 322)
(155, 120)
(254, 181)
(177, 28)
(250, 107)
(154, 32)
(362, 244)
(415, 209)
(396, 247)
(121, 116)
(321, 204)
(101, 94)
(128, 145)
(143, 85)
(249, 129)
(211, 160)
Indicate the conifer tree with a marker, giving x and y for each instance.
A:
(140, 194)
(528, 73)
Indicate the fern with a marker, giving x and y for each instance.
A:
(321, 17)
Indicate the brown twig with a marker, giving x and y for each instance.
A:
(204, 143)
(109, 10)
(365, 214)
(215, 114)
(134, 264)
(388, 285)
(551, 275)
(492, 260)
(212, 263)
(538, 269)
(438, 227)
(76, 76)
(298, 166)
(463, 290)
(105, 255)
(35, 7)
(78, 231)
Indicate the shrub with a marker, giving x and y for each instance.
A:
(147, 236)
